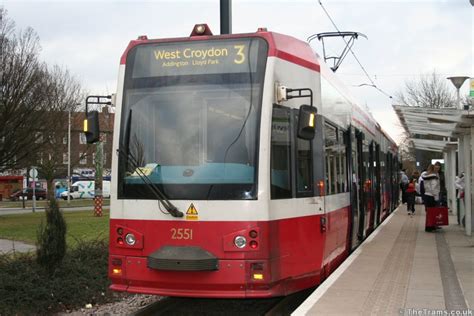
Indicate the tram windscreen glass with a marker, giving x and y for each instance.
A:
(190, 119)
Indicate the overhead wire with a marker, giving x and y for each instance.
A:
(353, 54)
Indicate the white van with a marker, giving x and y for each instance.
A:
(86, 190)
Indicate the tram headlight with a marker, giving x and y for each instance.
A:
(130, 239)
(240, 241)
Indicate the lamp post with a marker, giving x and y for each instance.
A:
(457, 82)
(69, 158)
(95, 138)
(69, 154)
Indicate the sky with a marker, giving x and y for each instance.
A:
(406, 39)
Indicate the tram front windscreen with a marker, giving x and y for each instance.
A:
(190, 119)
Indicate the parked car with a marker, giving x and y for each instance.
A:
(28, 194)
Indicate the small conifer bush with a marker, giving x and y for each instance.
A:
(51, 244)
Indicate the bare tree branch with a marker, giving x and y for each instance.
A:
(34, 103)
(430, 91)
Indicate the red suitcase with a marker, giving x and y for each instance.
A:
(436, 216)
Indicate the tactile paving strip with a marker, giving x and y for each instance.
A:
(453, 295)
(390, 289)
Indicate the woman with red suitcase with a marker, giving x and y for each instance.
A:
(432, 188)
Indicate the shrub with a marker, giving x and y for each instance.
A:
(28, 289)
(51, 245)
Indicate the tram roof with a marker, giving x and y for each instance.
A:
(446, 123)
(280, 45)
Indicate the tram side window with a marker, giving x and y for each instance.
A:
(382, 170)
(366, 164)
(383, 179)
(332, 158)
(280, 163)
(342, 174)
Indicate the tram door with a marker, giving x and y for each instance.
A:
(369, 188)
(356, 203)
(390, 180)
(378, 185)
(365, 185)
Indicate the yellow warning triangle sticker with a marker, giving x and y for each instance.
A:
(191, 210)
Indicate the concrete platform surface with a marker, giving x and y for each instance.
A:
(402, 270)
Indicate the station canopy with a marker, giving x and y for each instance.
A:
(434, 129)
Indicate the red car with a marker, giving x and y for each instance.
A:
(28, 193)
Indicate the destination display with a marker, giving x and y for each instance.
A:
(195, 58)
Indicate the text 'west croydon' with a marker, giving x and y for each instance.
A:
(190, 53)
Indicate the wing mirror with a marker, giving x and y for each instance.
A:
(306, 122)
(91, 127)
(91, 122)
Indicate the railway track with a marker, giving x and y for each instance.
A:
(228, 307)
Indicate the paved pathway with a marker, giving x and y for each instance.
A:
(8, 246)
(402, 270)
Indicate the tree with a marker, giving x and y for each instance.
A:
(34, 100)
(51, 239)
(430, 91)
(404, 148)
(62, 95)
(22, 88)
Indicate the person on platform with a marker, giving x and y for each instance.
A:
(410, 195)
(443, 193)
(420, 187)
(403, 185)
(459, 183)
(415, 176)
(431, 185)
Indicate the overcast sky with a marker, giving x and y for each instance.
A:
(405, 38)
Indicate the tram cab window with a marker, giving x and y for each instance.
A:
(280, 163)
(304, 172)
(291, 161)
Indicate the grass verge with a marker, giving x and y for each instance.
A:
(81, 225)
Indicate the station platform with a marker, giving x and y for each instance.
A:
(401, 270)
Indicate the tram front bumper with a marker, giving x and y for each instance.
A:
(232, 279)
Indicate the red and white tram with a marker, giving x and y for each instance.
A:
(224, 183)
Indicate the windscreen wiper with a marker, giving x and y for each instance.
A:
(170, 208)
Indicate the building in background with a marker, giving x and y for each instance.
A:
(8, 185)
(82, 154)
